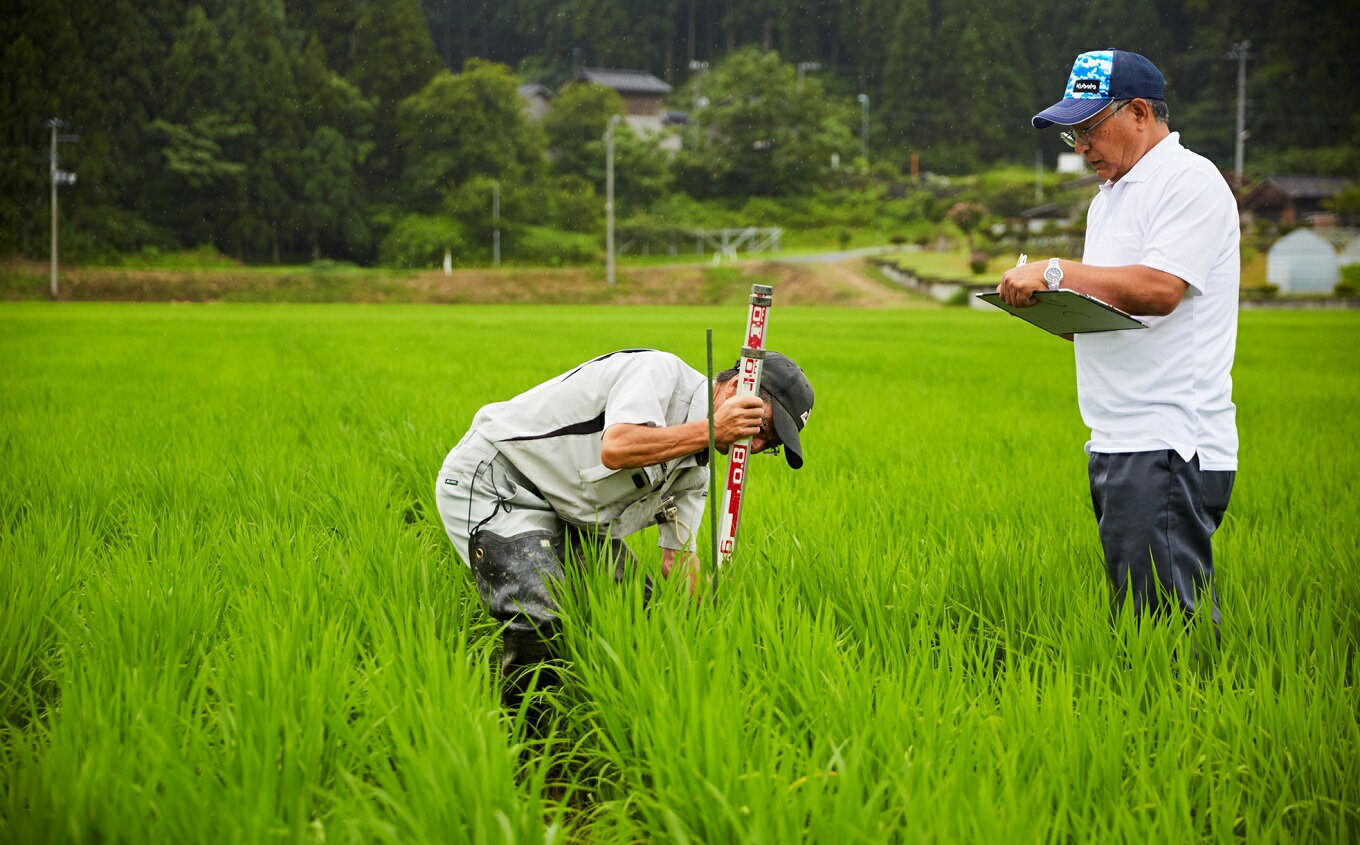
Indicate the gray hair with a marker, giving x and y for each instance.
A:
(724, 376)
(1159, 109)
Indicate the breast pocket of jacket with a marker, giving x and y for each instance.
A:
(605, 486)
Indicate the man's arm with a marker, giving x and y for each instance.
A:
(1133, 288)
(626, 446)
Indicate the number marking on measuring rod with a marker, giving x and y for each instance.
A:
(748, 384)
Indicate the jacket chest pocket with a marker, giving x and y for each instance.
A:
(604, 485)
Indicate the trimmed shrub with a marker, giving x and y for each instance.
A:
(541, 245)
(420, 241)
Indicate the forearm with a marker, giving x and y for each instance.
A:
(1134, 288)
(631, 446)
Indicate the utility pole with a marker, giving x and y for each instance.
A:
(864, 126)
(58, 177)
(496, 224)
(698, 69)
(806, 66)
(700, 101)
(609, 197)
(1240, 52)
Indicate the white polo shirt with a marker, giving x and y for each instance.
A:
(553, 432)
(1170, 386)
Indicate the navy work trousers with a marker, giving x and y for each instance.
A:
(1157, 513)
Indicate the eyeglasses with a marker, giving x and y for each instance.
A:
(1073, 135)
(768, 436)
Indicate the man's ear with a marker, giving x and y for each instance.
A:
(1142, 110)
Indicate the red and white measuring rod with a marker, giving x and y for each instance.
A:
(748, 384)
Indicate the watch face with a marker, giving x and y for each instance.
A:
(1053, 275)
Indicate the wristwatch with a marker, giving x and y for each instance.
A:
(1054, 274)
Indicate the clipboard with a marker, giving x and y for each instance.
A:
(1068, 312)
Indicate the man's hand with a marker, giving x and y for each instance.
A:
(738, 417)
(689, 565)
(1134, 288)
(1019, 284)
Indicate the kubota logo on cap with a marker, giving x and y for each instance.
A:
(1086, 86)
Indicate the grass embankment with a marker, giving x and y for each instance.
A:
(667, 283)
(228, 611)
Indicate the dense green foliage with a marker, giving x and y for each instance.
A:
(228, 612)
(958, 81)
(292, 129)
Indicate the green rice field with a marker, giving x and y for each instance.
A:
(228, 611)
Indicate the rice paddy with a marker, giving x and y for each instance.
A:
(228, 611)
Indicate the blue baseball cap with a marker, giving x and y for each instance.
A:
(1099, 77)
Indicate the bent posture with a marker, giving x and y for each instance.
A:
(587, 458)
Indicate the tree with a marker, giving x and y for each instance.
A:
(761, 133)
(467, 125)
(575, 126)
(967, 216)
(392, 58)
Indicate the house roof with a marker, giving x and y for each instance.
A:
(625, 81)
(535, 89)
(1046, 211)
(1295, 187)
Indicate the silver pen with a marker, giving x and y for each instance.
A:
(1023, 258)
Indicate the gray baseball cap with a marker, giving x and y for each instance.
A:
(792, 405)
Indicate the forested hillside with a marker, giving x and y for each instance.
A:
(368, 130)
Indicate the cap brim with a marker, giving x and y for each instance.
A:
(1069, 112)
(787, 429)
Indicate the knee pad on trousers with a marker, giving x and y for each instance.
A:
(516, 575)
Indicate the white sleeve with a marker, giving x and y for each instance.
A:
(640, 393)
(690, 495)
(1191, 210)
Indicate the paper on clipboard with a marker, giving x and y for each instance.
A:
(1068, 312)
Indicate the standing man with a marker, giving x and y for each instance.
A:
(576, 464)
(1162, 243)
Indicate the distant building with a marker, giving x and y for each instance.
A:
(1291, 200)
(1071, 163)
(1041, 217)
(643, 96)
(537, 99)
(1350, 255)
(1302, 262)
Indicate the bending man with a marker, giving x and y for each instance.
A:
(583, 460)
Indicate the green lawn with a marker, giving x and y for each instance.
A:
(228, 612)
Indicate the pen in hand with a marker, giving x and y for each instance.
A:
(1023, 258)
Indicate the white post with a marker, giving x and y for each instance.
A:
(59, 177)
(864, 126)
(609, 198)
(806, 66)
(54, 123)
(496, 222)
(1239, 52)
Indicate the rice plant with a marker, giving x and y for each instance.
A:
(228, 612)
